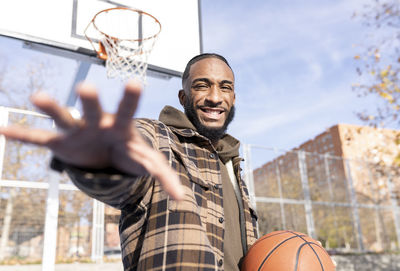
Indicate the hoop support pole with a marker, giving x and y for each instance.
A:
(80, 75)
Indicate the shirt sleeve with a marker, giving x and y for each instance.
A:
(110, 185)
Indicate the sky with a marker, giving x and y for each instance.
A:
(293, 61)
(295, 66)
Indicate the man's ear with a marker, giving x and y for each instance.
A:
(182, 97)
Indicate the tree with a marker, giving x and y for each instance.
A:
(379, 62)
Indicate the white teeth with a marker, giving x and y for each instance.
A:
(214, 113)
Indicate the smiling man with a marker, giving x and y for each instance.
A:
(208, 95)
(176, 180)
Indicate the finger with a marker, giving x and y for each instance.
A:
(157, 166)
(27, 135)
(334, 262)
(169, 180)
(60, 115)
(90, 103)
(128, 104)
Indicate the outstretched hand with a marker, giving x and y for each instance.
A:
(99, 140)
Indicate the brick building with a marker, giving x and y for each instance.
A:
(344, 167)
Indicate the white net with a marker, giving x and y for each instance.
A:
(127, 61)
(124, 38)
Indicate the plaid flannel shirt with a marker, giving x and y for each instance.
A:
(158, 233)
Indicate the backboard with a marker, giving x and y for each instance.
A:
(60, 24)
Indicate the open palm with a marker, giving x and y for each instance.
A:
(99, 140)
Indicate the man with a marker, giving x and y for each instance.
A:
(194, 217)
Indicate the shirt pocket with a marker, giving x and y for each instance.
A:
(194, 199)
(196, 190)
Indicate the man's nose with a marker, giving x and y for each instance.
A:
(214, 96)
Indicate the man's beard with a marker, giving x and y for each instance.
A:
(212, 133)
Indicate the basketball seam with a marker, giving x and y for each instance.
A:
(307, 243)
(278, 233)
(276, 247)
(318, 245)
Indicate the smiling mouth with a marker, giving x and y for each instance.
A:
(212, 112)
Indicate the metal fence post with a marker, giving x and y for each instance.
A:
(306, 192)
(354, 206)
(51, 223)
(3, 122)
(248, 177)
(248, 173)
(5, 230)
(378, 223)
(395, 208)
(98, 231)
(329, 180)
(278, 178)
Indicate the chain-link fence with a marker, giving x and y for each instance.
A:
(348, 205)
(43, 217)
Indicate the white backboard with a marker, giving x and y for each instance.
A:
(61, 24)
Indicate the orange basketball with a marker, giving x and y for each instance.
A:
(287, 251)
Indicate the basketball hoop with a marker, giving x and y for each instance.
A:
(124, 38)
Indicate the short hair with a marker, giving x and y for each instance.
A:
(197, 58)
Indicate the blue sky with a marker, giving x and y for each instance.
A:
(293, 61)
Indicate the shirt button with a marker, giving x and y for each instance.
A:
(220, 262)
(221, 220)
(212, 155)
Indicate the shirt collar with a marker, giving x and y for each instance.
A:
(227, 147)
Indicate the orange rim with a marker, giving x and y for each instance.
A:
(101, 52)
(128, 9)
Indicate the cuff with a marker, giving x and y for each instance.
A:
(60, 166)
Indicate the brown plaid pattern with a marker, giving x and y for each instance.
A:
(158, 233)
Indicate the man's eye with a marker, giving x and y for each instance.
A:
(226, 87)
(200, 86)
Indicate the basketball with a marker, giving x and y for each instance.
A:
(287, 250)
